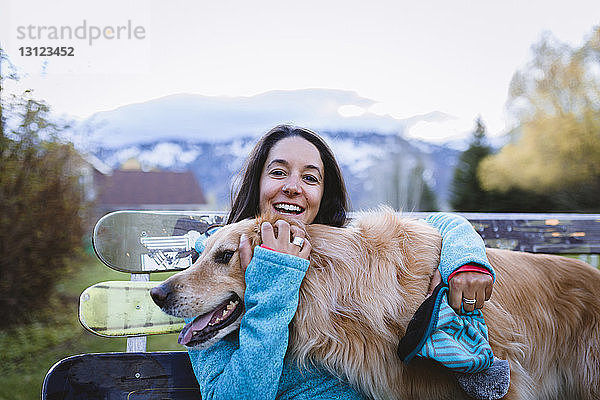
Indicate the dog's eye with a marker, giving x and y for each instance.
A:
(223, 257)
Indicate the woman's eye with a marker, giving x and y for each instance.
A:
(311, 179)
(223, 257)
(277, 172)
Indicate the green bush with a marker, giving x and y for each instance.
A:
(41, 210)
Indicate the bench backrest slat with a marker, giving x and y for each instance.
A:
(538, 233)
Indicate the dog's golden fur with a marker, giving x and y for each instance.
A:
(365, 282)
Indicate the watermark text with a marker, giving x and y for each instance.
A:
(89, 33)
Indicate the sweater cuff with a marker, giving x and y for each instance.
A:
(267, 247)
(470, 268)
(278, 258)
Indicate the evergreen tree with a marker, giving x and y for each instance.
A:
(467, 193)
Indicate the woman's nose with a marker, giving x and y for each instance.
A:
(291, 188)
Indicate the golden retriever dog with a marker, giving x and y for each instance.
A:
(366, 281)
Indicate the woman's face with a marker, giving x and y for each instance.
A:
(291, 182)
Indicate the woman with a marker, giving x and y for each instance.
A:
(292, 172)
(332, 210)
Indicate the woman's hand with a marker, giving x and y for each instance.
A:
(469, 285)
(281, 242)
(466, 285)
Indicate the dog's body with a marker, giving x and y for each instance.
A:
(364, 284)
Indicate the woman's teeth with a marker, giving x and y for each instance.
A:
(289, 208)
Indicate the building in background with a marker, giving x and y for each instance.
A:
(130, 188)
(154, 190)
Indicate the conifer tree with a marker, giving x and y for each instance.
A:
(467, 193)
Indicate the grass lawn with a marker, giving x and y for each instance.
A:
(30, 350)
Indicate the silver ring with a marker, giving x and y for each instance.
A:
(298, 241)
(469, 301)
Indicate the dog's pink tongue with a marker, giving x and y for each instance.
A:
(196, 325)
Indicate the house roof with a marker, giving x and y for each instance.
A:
(138, 187)
(96, 163)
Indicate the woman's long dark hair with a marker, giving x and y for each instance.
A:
(334, 203)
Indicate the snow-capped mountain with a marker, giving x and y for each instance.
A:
(213, 135)
(377, 168)
(215, 118)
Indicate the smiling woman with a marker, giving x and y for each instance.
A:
(291, 182)
(292, 171)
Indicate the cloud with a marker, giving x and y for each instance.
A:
(440, 131)
(350, 110)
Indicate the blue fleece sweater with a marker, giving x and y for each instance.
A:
(254, 365)
(460, 244)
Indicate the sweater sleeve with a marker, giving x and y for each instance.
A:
(251, 367)
(461, 244)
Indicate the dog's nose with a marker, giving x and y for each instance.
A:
(159, 294)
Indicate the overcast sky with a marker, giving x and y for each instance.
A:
(411, 57)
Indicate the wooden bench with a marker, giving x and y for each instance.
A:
(137, 374)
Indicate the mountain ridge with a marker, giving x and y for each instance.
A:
(212, 136)
(186, 116)
(377, 168)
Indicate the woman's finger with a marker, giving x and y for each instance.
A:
(482, 284)
(296, 232)
(268, 235)
(305, 250)
(282, 242)
(283, 233)
(455, 294)
(245, 251)
(489, 289)
(469, 301)
(480, 297)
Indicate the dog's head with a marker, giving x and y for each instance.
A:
(210, 293)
